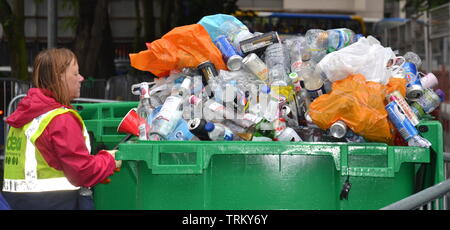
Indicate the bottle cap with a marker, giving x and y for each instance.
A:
(209, 126)
(441, 94)
(193, 100)
(293, 75)
(179, 80)
(228, 137)
(265, 89)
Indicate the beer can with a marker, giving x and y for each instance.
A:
(258, 44)
(229, 54)
(256, 66)
(400, 121)
(414, 89)
(197, 127)
(338, 129)
(208, 71)
(406, 109)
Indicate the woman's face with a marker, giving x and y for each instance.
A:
(73, 79)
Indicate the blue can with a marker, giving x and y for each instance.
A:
(229, 53)
(400, 121)
(411, 74)
(414, 89)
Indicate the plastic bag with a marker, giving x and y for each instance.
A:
(360, 104)
(184, 46)
(366, 57)
(214, 24)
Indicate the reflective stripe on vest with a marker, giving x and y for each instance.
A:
(29, 181)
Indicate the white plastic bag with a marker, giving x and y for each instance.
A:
(366, 56)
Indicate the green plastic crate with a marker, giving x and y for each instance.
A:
(205, 175)
(102, 120)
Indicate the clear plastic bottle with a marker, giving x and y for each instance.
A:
(144, 108)
(278, 63)
(235, 33)
(295, 47)
(413, 57)
(289, 134)
(270, 103)
(339, 38)
(218, 132)
(317, 43)
(312, 80)
(171, 112)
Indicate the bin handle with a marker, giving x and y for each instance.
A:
(396, 155)
(158, 167)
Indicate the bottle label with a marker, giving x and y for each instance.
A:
(296, 66)
(316, 92)
(216, 107)
(400, 121)
(170, 106)
(252, 117)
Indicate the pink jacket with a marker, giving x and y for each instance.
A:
(62, 143)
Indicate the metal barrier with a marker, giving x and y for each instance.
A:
(432, 198)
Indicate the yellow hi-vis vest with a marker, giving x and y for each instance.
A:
(25, 168)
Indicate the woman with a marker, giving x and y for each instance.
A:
(47, 156)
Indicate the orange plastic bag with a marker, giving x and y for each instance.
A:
(184, 46)
(360, 104)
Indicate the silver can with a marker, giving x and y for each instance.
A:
(256, 66)
(338, 129)
(414, 92)
(234, 63)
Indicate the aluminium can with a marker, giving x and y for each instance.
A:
(208, 71)
(400, 121)
(256, 66)
(229, 54)
(258, 44)
(197, 127)
(338, 129)
(414, 89)
(406, 109)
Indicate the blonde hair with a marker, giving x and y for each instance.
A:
(49, 65)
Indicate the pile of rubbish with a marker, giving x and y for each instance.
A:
(219, 81)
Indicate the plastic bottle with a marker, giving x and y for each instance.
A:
(295, 47)
(289, 134)
(218, 132)
(317, 43)
(311, 78)
(271, 110)
(428, 102)
(278, 64)
(235, 33)
(144, 109)
(339, 38)
(171, 112)
(413, 57)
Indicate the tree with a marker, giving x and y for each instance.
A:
(93, 40)
(12, 20)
